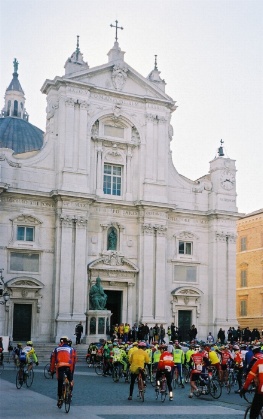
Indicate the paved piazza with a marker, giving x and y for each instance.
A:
(100, 398)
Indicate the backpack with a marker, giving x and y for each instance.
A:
(22, 357)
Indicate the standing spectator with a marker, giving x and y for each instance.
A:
(230, 335)
(150, 334)
(255, 334)
(156, 332)
(239, 334)
(210, 338)
(169, 333)
(221, 335)
(134, 332)
(172, 331)
(193, 332)
(162, 334)
(78, 332)
(145, 332)
(126, 332)
(247, 335)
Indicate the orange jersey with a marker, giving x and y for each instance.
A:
(63, 356)
(256, 372)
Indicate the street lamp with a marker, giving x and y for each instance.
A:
(3, 291)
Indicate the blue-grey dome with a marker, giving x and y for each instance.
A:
(19, 135)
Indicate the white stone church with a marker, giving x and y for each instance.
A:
(97, 195)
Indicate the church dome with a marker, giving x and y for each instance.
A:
(19, 135)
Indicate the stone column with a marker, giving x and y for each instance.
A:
(65, 278)
(128, 174)
(130, 313)
(83, 156)
(69, 134)
(149, 148)
(147, 277)
(80, 270)
(99, 186)
(162, 161)
(160, 289)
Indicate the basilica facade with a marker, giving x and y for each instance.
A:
(97, 195)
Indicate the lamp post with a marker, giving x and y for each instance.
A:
(3, 291)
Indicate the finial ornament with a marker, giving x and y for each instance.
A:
(77, 49)
(15, 62)
(155, 63)
(221, 149)
(116, 27)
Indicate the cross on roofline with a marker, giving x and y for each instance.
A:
(116, 27)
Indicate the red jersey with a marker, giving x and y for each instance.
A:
(197, 359)
(225, 357)
(238, 360)
(256, 372)
(166, 360)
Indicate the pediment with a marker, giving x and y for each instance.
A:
(24, 282)
(113, 261)
(120, 78)
(187, 291)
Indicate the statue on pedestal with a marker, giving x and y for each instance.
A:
(97, 296)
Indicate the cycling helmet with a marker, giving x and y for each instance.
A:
(236, 348)
(141, 345)
(19, 344)
(162, 347)
(29, 343)
(64, 339)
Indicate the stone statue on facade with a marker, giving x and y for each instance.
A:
(97, 296)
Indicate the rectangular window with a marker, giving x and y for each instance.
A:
(243, 278)
(185, 273)
(25, 233)
(112, 180)
(243, 307)
(111, 131)
(243, 244)
(185, 248)
(24, 262)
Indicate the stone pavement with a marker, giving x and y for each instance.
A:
(35, 403)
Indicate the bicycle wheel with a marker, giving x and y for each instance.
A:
(128, 376)
(163, 390)
(186, 374)
(153, 378)
(141, 388)
(30, 378)
(19, 379)
(249, 394)
(115, 374)
(99, 369)
(2, 367)
(47, 373)
(214, 388)
(229, 383)
(67, 397)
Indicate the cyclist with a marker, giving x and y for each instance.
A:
(256, 374)
(165, 365)
(225, 361)
(137, 360)
(31, 355)
(178, 357)
(199, 360)
(63, 358)
(238, 361)
(16, 354)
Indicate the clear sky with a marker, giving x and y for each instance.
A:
(210, 53)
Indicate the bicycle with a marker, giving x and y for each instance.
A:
(2, 367)
(118, 372)
(208, 385)
(24, 376)
(162, 389)
(176, 382)
(232, 379)
(66, 394)
(247, 413)
(141, 387)
(185, 373)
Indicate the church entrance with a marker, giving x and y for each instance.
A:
(184, 323)
(22, 322)
(114, 304)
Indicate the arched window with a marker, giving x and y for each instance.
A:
(8, 107)
(112, 239)
(15, 108)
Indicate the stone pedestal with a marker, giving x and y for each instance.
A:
(98, 324)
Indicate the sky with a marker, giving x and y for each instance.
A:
(210, 53)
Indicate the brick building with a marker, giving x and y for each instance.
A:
(249, 270)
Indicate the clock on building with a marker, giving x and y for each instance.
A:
(227, 180)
